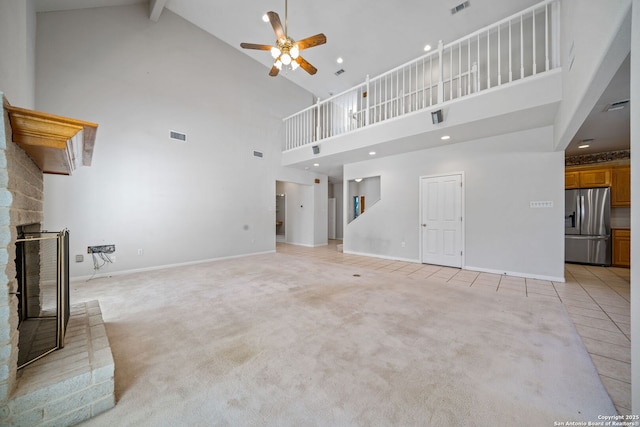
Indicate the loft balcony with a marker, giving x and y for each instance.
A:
(501, 78)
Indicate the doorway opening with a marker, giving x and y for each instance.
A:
(281, 215)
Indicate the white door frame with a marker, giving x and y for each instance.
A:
(462, 209)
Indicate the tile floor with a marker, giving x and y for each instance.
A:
(596, 298)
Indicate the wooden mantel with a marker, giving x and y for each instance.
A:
(58, 145)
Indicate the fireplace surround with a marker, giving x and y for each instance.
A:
(71, 384)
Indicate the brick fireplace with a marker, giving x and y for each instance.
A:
(71, 384)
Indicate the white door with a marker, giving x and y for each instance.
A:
(441, 220)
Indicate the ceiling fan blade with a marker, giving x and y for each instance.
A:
(255, 46)
(312, 41)
(277, 25)
(274, 71)
(306, 66)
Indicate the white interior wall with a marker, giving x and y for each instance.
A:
(321, 211)
(338, 189)
(594, 42)
(502, 175)
(310, 221)
(177, 202)
(635, 203)
(299, 226)
(17, 52)
(299, 212)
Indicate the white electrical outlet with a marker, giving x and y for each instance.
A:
(113, 258)
(140, 252)
(403, 244)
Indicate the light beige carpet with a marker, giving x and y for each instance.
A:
(280, 340)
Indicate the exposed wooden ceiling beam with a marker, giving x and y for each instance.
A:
(155, 9)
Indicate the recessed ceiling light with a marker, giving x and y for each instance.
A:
(339, 60)
(583, 146)
(372, 153)
(358, 180)
(427, 48)
(445, 137)
(316, 164)
(265, 17)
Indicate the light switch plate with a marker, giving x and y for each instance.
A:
(541, 204)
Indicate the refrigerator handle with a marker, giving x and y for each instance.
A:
(581, 206)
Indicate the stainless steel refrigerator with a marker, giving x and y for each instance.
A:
(587, 226)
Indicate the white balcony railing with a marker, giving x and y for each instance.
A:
(517, 47)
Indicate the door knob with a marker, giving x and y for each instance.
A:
(424, 225)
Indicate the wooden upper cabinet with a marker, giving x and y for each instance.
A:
(587, 178)
(616, 176)
(621, 187)
(595, 178)
(572, 180)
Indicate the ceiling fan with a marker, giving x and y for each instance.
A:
(286, 52)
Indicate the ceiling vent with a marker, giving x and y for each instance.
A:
(178, 136)
(340, 71)
(460, 7)
(617, 105)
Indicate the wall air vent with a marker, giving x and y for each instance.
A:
(617, 105)
(460, 7)
(340, 71)
(257, 154)
(178, 136)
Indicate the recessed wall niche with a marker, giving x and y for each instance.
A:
(363, 194)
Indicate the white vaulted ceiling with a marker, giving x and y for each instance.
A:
(371, 36)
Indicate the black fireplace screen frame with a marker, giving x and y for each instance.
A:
(58, 322)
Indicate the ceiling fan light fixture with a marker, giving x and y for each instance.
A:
(286, 51)
(285, 58)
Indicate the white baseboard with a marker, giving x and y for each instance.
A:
(162, 267)
(467, 267)
(515, 274)
(382, 256)
(306, 245)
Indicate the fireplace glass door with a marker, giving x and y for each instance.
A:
(42, 265)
